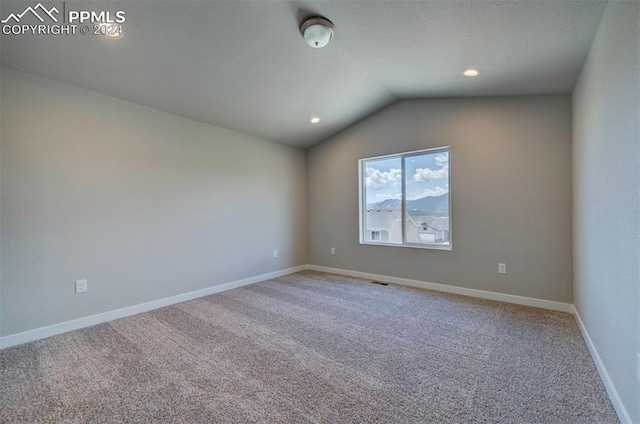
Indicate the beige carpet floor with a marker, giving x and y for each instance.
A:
(312, 348)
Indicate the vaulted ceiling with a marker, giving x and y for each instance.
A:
(243, 65)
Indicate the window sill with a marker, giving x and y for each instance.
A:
(411, 246)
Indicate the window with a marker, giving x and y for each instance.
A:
(404, 199)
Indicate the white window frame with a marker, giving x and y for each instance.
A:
(363, 207)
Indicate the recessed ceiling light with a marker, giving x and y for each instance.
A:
(315, 119)
(471, 73)
(110, 30)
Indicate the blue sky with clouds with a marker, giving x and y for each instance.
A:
(426, 175)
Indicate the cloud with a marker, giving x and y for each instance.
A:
(442, 160)
(431, 192)
(377, 179)
(426, 174)
(381, 196)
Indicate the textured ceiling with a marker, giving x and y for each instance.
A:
(243, 65)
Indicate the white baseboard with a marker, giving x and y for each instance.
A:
(509, 298)
(63, 327)
(52, 330)
(623, 415)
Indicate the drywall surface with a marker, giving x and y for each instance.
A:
(0, 207)
(511, 193)
(606, 166)
(141, 203)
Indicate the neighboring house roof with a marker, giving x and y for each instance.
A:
(433, 222)
(381, 219)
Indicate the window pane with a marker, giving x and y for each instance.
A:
(427, 198)
(383, 200)
(417, 183)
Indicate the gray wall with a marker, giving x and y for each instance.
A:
(511, 195)
(606, 167)
(142, 203)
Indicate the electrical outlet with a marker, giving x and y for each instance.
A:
(502, 268)
(81, 286)
(333, 250)
(275, 253)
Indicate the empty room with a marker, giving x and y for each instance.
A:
(325, 211)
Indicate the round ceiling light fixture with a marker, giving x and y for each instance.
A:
(314, 119)
(317, 31)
